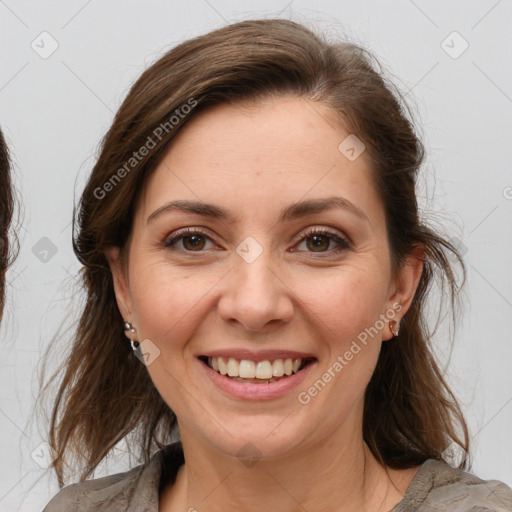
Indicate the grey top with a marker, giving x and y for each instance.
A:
(436, 487)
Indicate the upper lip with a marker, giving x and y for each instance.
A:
(260, 355)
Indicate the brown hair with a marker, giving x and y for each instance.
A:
(6, 215)
(106, 394)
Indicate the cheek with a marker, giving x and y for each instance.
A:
(345, 308)
(345, 302)
(170, 302)
(167, 301)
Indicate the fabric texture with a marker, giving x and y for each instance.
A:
(436, 487)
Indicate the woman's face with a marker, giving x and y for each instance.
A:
(262, 271)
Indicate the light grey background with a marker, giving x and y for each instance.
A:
(55, 110)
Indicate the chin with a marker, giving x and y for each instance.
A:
(260, 440)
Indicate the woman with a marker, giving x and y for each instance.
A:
(6, 214)
(251, 232)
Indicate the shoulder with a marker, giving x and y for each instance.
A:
(437, 487)
(115, 491)
(135, 490)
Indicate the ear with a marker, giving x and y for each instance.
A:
(404, 287)
(121, 283)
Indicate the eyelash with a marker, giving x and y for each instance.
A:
(343, 243)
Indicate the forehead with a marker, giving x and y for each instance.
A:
(261, 154)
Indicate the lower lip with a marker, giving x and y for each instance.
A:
(250, 391)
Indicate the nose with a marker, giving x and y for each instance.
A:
(255, 296)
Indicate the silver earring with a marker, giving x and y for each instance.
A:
(394, 327)
(129, 327)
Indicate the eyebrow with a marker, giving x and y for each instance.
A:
(291, 212)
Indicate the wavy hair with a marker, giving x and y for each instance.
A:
(7, 202)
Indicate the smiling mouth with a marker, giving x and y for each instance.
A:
(260, 372)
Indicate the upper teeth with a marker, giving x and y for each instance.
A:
(247, 369)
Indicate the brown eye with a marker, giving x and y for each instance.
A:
(319, 241)
(192, 240)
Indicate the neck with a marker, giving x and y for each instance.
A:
(332, 475)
